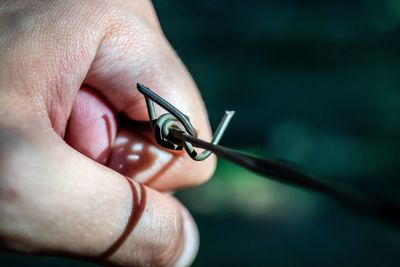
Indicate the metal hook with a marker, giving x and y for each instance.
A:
(173, 130)
(151, 96)
(166, 122)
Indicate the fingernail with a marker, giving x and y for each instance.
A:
(191, 245)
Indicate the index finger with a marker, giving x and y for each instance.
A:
(135, 52)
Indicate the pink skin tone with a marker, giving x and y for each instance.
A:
(68, 69)
(92, 126)
(93, 130)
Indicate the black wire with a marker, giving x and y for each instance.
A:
(373, 206)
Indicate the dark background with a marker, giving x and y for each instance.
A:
(312, 81)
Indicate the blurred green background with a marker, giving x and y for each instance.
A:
(312, 81)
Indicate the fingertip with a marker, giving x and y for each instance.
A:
(191, 240)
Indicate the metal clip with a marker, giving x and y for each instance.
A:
(175, 121)
(173, 130)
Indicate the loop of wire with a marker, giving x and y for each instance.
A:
(167, 125)
(173, 130)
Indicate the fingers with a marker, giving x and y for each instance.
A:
(110, 48)
(55, 200)
(92, 126)
(77, 207)
(136, 156)
(135, 52)
(92, 131)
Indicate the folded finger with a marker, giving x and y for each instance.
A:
(75, 206)
(134, 52)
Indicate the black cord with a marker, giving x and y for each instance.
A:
(186, 137)
(373, 206)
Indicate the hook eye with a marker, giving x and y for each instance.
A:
(162, 127)
(177, 122)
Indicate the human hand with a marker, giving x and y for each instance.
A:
(67, 69)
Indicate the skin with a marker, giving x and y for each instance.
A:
(68, 69)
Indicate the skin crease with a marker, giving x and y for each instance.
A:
(68, 70)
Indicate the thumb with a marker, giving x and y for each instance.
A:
(54, 200)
